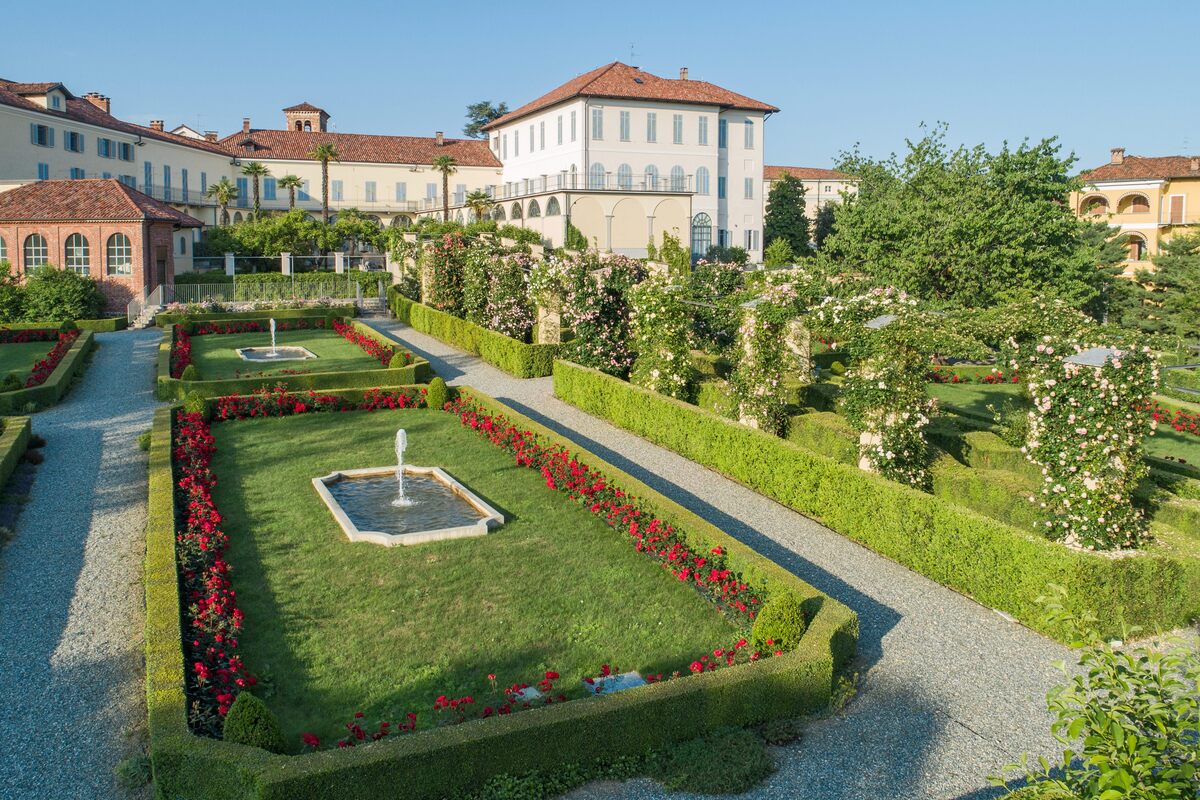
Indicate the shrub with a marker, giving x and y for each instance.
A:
(133, 772)
(12, 382)
(837, 368)
(12, 295)
(249, 721)
(780, 731)
(779, 253)
(61, 294)
(399, 360)
(780, 624)
(190, 373)
(144, 441)
(726, 762)
(660, 329)
(437, 394)
(194, 403)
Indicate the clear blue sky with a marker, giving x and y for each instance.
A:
(1097, 74)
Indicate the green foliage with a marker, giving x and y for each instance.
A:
(354, 229)
(480, 114)
(660, 338)
(144, 441)
(190, 373)
(823, 225)
(12, 295)
(56, 294)
(1012, 421)
(726, 762)
(765, 358)
(444, 258)
(780, 623)
(675, 256)
(598, 311)
(728, 255)
(779, 732)
(250, 722)
(837, 368)
(785, 218)
(193, 403)
(437, 394)
(133, 772)
(575, 240)
(519, 234)
(12, 382)
(715, 285)
(1167, 300)
(779, 253)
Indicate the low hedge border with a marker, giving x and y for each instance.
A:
(168, 388)
(514, 357)
(105, 325)
(997, 564)
(59, 382)
(14, 439)
(164, 320)
(452, 761)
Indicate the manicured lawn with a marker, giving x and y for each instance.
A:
(20, 357)
(215, 355)
(334, 627)
(973, 397)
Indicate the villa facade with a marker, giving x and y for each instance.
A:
(822, 187)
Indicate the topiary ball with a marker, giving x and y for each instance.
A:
(249, 721)
(12, 382)
(399, 360)
(781, 622)
(194, 403)
(190, 373)
(437, 394)
(837, 368)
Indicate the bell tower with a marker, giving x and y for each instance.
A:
(306, 117)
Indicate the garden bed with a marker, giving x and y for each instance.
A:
(340, 622)
(48, 378)
(167, 319)
(102, 325)
(14, 439)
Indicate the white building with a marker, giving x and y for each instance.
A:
(821, 186)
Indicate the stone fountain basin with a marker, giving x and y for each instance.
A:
(288, 353)
(485, 518)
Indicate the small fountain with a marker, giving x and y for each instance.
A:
(287, 353)
(273, 354)
(401, 500)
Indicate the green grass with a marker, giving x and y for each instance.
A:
(20, 357)
(215, 355)
(334, 627)
(973, 398)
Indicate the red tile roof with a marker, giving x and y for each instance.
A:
(86, 201)
(33, 88)
(304, 107)
(1138, 168)
(804, 173)
(359, 147)
(622, 82)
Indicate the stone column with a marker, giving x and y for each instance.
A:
(426, 280)
(229, 264)
(798, 340)
(549, 320)
(339, 262)
(285, 263)
(537, 251)
(608, 218)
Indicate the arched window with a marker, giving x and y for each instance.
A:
(516, 211)
(652, 177)
(1137, 247)
(1094, 206)
(36, 252)
(237, 217)
(596, 176)
(574, 177)
(624, 177)
(749, 134)
(702, 180)
(701, 235)
(553, 209)
(3, 250)
(118, 255)
(308, 127)
(498, 213)
(458, 216)
(677, 179)
(299, 127)
(535, 210)
(1133, 204)
(77, 254)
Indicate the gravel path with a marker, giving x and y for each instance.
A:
(949, 690)
(71, 692)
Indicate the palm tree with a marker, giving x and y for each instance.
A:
(224, 192)
(479, 202)
(291, 183)
(447, 166)
(255, 171)
(324, 153)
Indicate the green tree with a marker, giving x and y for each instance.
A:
(447, 166)
(324, 153)
(354, 227)
(779, 253)
(479, 202)
(785, 217)
(823, 224)
(224, 193)
(55, 294)
(256, 171)
(1165, 300)
(273, 234)
(291, 183)
(480, 114)
(12, 294)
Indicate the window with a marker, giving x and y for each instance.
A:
(749, 134)
(535, 210)
(596, 176)
(460, 193)
(495, 148)
(531, 147)
(128, 180)
(652, 177)
(3, 250)
(76, 255)
(166, 182)
(702, 182)
(505, 147)
(723, 238)
(183, 185)
(73, 141)
(431, 191)
(572, 126)
(43, 172)
(106, 175)
(651, 127)
(56, 101)
(76, 173)
(721, 179)
(722, 133)
(597, 123)
(148, 177)
(542, 135)
(125, 151)
(624, 177)
(183, 245)
(304, 191)
(369, 191)
(41, 135)
(104, 148)
(701, 235)
(553, 209)
(1094, 206)
(36, 254)
(1137, 247)
(752, 240)
(677, 128)
(624, 126)
(1175, 210)
(203, 182)
(118, 255)
(243, 186)
(401, 192)
(1134, 204)
(516, 143)
(702, 131)
(560, 129)
(516, 211)
(677, 179)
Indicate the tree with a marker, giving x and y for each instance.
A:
(479, 202)
(291, 183)
(447, 166)
(324, 153)
(1167, 299)
(224, 193)
(354, 227)
(823, 225)
(779, 253)
(785, 217)
(480, 114)
(255, 171)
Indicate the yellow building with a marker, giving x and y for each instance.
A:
(1149, 199)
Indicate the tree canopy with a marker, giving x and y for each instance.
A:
(480, 114)
(1165, 301)
(785, 217)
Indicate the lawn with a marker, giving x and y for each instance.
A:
(215, 355)
(20, 357)
(334, 627)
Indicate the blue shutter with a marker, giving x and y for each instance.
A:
(33, 133)
(50, 134)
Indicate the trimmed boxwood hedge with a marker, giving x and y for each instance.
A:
(169, 388)
(164, 320)
(59, 382)
(454, 760)
(105, 325)
(514, 357)
(999, 565)
(14, 438)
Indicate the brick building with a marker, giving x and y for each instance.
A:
(100, 228)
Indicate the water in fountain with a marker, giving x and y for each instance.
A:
(273, 353)
(401, 501)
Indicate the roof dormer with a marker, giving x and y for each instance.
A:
(50, 96)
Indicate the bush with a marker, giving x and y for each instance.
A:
(779, 624)
(726, 762)
(12, 382)
(249, 721)
(12, 295)
(837, 368)
(190, 373)
(399, 360)
(194, 403)
(61, 294)
(144, 441)
(437, 394)
(133, 772)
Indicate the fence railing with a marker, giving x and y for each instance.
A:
(335, 289)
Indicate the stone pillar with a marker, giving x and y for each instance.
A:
(549, 320)
(649, 227)
(409, 237)
(608, 218)
(658, 268)
(506, 242)
(285, 263)
(798, 340)
(426, 280)
(339, 262)
(229, 264)
(537, 251)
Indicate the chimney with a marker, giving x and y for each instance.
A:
(210, 136)
(245, 124)
(438, 139)
(1195, 165)
(156, 124)
(1118, 155)
(98, 100)
(683, 73)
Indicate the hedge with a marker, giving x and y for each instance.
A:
(999, 565)
(454, 760)
(514, 357)
(163, 320)
(105, 325)
(14, 438)
(168, 388)
(59, 382)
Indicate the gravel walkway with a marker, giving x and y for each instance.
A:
(71, 691)
(949, 690)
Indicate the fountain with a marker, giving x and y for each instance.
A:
(287, 353)
(401, 500)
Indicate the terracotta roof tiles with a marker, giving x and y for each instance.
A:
(804, 173)
(1140, 168)
(86, 200)
(360, 147)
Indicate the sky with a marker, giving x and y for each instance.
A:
(1097, 75)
